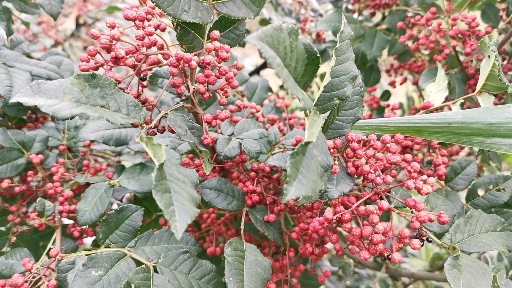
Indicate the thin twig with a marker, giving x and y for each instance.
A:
(505, 39)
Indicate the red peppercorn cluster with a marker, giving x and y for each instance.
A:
(47, 184)
(372, 7)
(34, 276)
(150, 51)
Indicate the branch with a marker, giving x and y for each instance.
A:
(505, 39)
(257, 70)
(392, 272)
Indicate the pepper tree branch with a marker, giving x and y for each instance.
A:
(392, 272)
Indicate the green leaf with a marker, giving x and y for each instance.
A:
(174, 190)
(397, 48)
(457, 81)
(339, 184)
(249, 129)
(464, 271)
(478, 232)
(155, 149)
(294, 59)
(137, 178)
(279, 160)
(311, 281)
(152, 245)
(246, 267)
(374, 42)
(221, 193)
(308, 168)
(491, 77)
(18, 43)
(271, 230)
(257, 89)
(437, 91)
(141, 277)
(12, 162)
(144, 277)
(385, 95)
(371, 75)
(442, 200)
(94, 202)
(25, 6)
(232, 31)
(6, 20)
(341, 93)
(12, 81)
(10, 263)
(274, 135)
(240, 8)
(31, 142)
(44, 207)
(393, 17)
(427, 76)
(461, 173)
(207, 162)
(360, 57)
(186, 10)
(104, 132)
(489, 191)
(490, 14)
(182, 266)
(227, 147)
(68, 246)
(313, 126)
(108, 269)
(38, 69)
(60, 60)
(468, 127)
(186, 128)
(119, 226)
(331, 22)
(252, 148)
(505, 214)
(91, 94)
(67, 268)
(52, 7)
(190, 35)
(399, 193)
